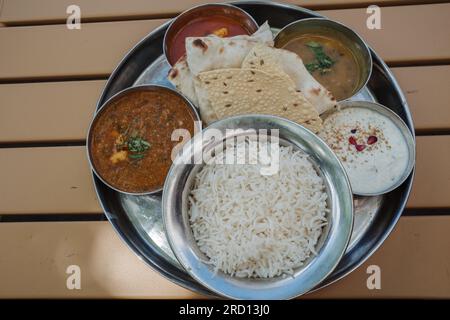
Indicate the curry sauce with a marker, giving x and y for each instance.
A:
(329, 61)
(130, 142)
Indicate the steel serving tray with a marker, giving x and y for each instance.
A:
(138, 220)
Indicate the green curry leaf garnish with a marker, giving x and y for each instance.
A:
(322, 61)
(136, 156)
(137, 146)
(313, 44)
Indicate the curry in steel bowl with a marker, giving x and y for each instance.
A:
(219, 19)
(334, 54)
(129, 141)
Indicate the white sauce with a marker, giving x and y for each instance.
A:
(376, 166)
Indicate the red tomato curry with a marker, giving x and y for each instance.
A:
(204, 26)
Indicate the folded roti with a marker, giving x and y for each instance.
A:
(207, 113)
(185, 82)
(219, 53)
(246, 91)
(274, 60)
(183, 79)
(213, 52)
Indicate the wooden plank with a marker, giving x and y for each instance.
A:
(34, 258)
(25, 108)
(57, 180)
(45, 11)
(432, 180)
(2, 24)
(46, 180)
(427, 92)
(47, 111)
(414, 263)
(421, 29)
(53, 51)
(56, 52)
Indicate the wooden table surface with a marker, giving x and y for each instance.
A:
(50, 80)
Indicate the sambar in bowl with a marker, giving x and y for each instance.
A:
(130, 145)
(334, 54)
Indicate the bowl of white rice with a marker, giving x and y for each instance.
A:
(257, 207)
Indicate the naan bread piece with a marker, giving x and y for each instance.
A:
(277, 61)
(183, 79)
(212, 52)
(245, 91)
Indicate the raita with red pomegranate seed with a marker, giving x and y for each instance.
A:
(371, 147)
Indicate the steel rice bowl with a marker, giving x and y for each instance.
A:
(330, 247)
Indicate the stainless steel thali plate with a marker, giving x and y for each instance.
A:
(138, 220)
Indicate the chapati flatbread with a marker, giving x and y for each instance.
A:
(183, 79)
(207, 113)
(213, 52)
(220, 53)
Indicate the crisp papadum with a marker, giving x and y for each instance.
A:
(280, 61)
(246, 91)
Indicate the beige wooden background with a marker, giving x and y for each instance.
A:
(50, 80)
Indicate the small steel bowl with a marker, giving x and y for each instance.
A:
(399, 123)
(331, 245)
(338, 31)
(109, 103)
(205, 10)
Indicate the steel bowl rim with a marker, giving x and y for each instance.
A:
(398, 122)
(288, 125)
(106, 104)
(189, 11)
(366, 48)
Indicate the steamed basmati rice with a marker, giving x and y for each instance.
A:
(251, 225)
